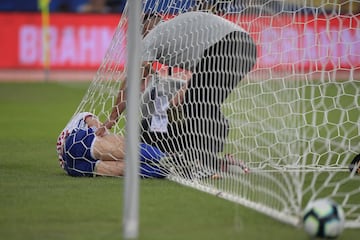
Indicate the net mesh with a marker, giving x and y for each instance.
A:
(270, 123)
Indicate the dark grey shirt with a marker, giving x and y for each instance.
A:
(181, 41)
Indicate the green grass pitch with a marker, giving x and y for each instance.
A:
(39, 201)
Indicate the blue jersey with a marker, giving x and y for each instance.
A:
(77, 121)
(79, 160)
(75, 145)
(77, 153)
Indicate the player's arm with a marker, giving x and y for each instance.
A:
(178, 98)
(120, 103)
(119, 107)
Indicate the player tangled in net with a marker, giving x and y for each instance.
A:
(218, 54)
(82, 153)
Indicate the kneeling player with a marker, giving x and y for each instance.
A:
(82, 153)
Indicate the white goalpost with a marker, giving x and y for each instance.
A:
(256, 102)
(131, 193)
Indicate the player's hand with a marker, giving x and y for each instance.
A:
(101, 131)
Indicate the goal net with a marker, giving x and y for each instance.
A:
(256, 102)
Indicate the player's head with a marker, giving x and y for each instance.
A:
(355, 165)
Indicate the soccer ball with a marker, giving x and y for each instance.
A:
(323, 218)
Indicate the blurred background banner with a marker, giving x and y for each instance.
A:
(80, 41)
(77, 41)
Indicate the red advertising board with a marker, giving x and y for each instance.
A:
(79, 41)
(76, 40)
(304, 42)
